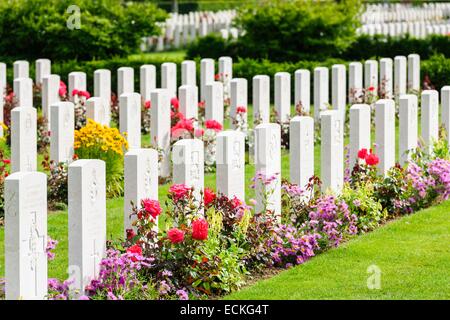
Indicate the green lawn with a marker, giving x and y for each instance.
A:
(413, 254)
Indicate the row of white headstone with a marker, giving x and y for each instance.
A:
(397, 12)
(180, 29)
(415, 29)
(60, 115)
(26, 196)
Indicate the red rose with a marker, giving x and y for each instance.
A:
(371, 88)
(186, 124)
(235, 202)
(213, 124)
(217, 76)
(175, 103)
(201, 104)
(62, 89)
(130, 234)
(175, 235)
(85, 94)
(209, 196)
(241, 110)
(179, 191)
(152, 207)
(6, 161)
(75, 92)
(372, 159)
(148, 104)
(362, 154)
(199, 229)
(137, 250)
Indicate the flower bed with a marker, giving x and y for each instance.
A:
(212, 248)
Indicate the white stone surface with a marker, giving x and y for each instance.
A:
(283, 96)
(386, 77)
(160, 128)
(95, 110)
(188, 165)
(355, 81)
(414, 73)
(62, 128)
(338, 88)
(43, 68)
(385, 134)
(77, 81)
(332, 151)
(188, 73)
(301, 150)
(23, 92)
(102, 89)
(321, 102)
(268, 163)
(400, 75)
(87, 220)
(188, 101)
(407, 126)
(430, 118)
(371, 76)
(21, 69)
(445, 112)
(26, 236)
(140, 180)
(169, 78)
(261, 99)
(206, 75)
(230, 164)
(147, 81)
(359, 131)
(50, 94)
(214, 102)
(302, 89)
(125, 80)
(23, 139)
(238, 94)
(130, 118)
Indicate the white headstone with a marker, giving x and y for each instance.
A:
(26, 236)
(230, 164)
(147, 81)
(283, 96)
(407, 126)
(140, 180)
(355, 81)
(206, 75)
(414, 72)
(23, 91)
(301, 148)
(77, 81)
(302, 89)
(268, 163)
(43, 68)
(226, 71)
(445, 113)
(125, 80)
(102, 89)
(214, 102)
(371, 76)
(430, 118)
(50, 94)
(188, 97)
(238, 94)
(385, 134)
(130, 118)
(188, 73)
(188, 165)
(160, 128)
(261, 99)
(338, 88)
(169, 78)
(95, 110)
(62, 129)
(359, 131)
(399, 75)
(23, 139)
(320, 91)
(21, 69)
(87, 220)
(332, 151)
(386, 77)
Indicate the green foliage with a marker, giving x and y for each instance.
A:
(437, 68)
(29, 29)
(379, 46)
(364, 205)
(212, 46)
(298, 29)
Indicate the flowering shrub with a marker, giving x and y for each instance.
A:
(80, 107)
(4, 172)
(43, 134)
(289, 246)
(57, 187)
(51, 245)
(146, 117)
(240, 119)
(96, 141)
